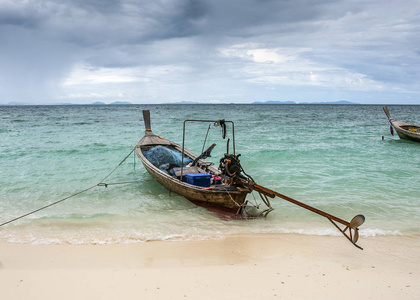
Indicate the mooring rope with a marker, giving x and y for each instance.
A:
(101, 183)
(32, 212)
(118, 165)
(125, 182)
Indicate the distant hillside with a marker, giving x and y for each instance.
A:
(183, 102)
(120, 103)
(16, 104)
(274, 102)
(333, 102)
(99, 103)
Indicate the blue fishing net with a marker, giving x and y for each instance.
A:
(162, 157)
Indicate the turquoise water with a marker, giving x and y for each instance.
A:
(331, 157)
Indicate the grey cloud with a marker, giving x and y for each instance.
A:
(116, 21)
(41, 41)
(123, 22)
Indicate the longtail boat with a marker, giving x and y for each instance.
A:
(221, 189)
(405, 131)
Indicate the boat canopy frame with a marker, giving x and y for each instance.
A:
(215, 123)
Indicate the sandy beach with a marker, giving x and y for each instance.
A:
(282, 266)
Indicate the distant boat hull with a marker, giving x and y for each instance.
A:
(406, 134)
(405, 131)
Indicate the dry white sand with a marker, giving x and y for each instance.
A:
(282, 266)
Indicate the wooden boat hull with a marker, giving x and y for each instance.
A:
(219, 197)
(405, 131)
(406, 134)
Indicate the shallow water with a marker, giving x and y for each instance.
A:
(329, 156)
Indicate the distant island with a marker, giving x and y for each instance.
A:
(113, 103)
(274, 102)
(120, 103)
(185, 102)
(292, 102)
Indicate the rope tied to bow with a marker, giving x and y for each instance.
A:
(101, 183)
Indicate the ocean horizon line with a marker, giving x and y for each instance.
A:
(118, 103)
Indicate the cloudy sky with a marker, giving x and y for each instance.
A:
(212, 51)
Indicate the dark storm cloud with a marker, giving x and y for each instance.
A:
(249, 46)
(114, 21)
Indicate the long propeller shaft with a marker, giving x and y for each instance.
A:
(270, 193)
(352, 225)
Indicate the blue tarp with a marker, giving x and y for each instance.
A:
(162, 157)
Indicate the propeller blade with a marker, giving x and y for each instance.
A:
(355, 236)
(357, 221)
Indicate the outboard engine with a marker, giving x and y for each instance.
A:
(230, 165)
